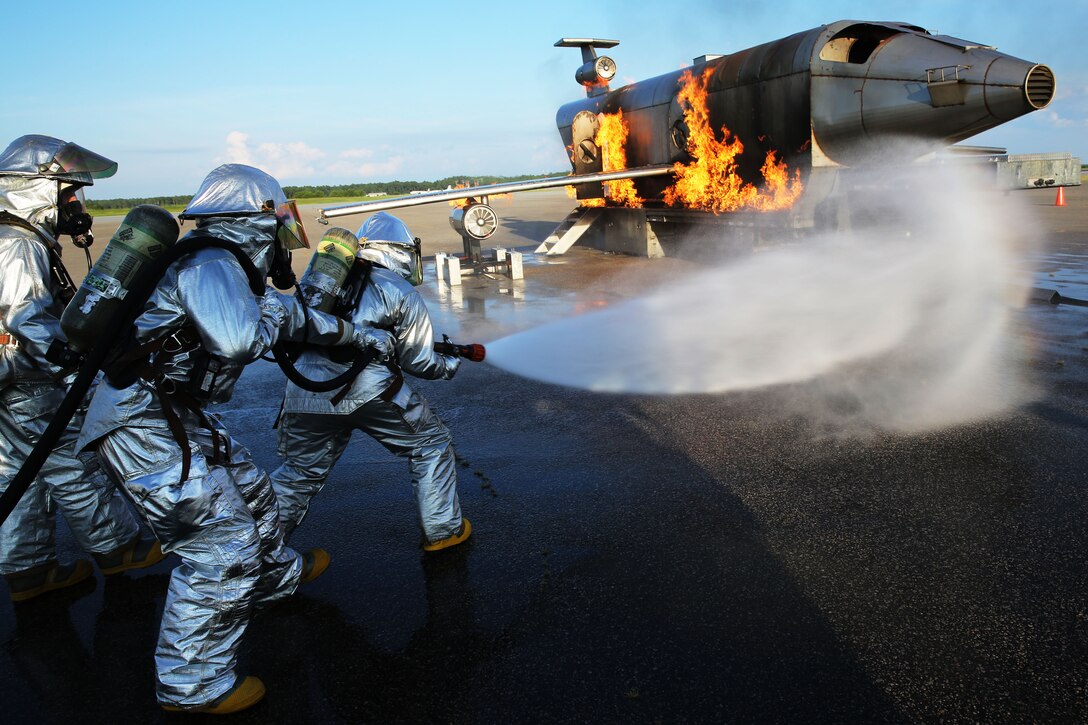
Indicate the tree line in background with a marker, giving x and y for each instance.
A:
(322, 191)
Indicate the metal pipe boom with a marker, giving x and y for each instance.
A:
(366, 207)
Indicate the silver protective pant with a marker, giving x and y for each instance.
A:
(100, 520)
(222, 522)
(312, 443)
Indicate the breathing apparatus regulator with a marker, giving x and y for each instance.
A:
(73, 219)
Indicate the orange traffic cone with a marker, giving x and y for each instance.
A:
(1060, 200)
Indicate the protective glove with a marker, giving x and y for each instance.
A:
(380, 341)
(453, 364)
(272, 308)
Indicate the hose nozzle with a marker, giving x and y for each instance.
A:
(474, 351)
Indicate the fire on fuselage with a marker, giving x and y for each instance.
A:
(837, 95)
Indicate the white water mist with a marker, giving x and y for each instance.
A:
(914, 328)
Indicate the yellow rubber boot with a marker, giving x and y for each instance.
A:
(244, 695)
(137, 554)
(461, 535)
(47, 577)
(314, 564)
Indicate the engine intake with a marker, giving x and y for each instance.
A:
(1040, 86)
(596, 72)
(475, 220)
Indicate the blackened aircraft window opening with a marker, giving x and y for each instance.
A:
(856, 43)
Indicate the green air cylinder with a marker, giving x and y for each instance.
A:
(144, 234)
(329, 268)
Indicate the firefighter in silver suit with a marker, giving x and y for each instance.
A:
(315, 427)
(40, 200)
(199, 488)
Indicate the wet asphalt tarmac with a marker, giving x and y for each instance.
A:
(637, 559)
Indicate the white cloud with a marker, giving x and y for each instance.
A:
(237, 150)
(291, 160)
(1060, 121)
(357, 165)
(298, 162)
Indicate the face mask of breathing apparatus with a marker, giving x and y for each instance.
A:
(73, 219)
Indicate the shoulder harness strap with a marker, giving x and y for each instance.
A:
(57, 270)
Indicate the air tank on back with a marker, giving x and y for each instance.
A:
(329, 267)
(143, 235)
(836, 95)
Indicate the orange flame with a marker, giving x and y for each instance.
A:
(711, 182)
(459, 203)
(462, 203)
(611, 138)
(573, 194)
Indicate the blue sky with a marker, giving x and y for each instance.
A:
(336, 92)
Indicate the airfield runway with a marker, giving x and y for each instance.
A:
(702, 558)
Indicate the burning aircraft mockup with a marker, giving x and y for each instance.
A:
(769, 128)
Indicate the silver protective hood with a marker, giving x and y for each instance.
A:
(233, 190)
(238, 190)
(31, 198)
(386, 241)
(52, 158)
(254, 234)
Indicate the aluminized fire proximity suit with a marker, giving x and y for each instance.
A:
(31, 303)
(220, 518)
(314, 430)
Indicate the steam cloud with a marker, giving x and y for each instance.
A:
(909, 319)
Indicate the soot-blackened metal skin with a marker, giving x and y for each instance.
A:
(836, 95)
